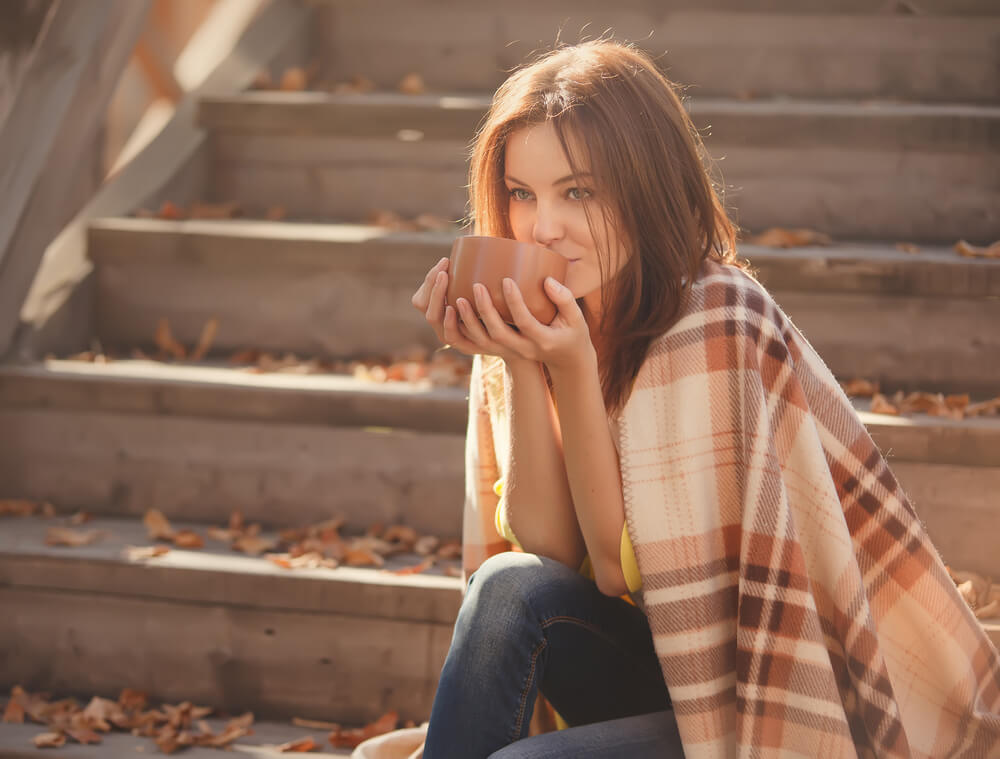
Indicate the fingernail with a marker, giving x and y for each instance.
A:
(508, 283)
(443, 261)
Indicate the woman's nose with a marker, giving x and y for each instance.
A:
(548, 226)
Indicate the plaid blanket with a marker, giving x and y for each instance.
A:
(797, 606)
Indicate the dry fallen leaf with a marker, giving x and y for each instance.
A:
(450, 549)
(780, 237)
(423, 566)
(294, 80)
(986, 408)
(17, 507)
(881, 405)
(253, 545)
(363, 557)
(171, 212)
(165, 341)
(157, 525)
(341, 738)
(230, 210)
(968, 250)
(206, 339)
(907, 247)
(298, 746)
(49, 740)
(142, 553)
(313, 724)
(83, 735)
(412, 84)
(860, 387)
(276, 213)
(14, 712)
(188, 539)
(428, 544)
(64, 536)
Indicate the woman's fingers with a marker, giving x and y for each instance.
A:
(421, 298)
(454, 334)
(498, 330)
(436, 301)
(526, 322)
(471, 324)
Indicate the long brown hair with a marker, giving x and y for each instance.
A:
(608, 100)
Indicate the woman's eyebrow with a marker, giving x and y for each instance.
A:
(567, 178)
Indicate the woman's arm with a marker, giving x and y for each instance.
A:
(591, 463)
(539, 506)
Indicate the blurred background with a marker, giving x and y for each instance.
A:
(231, 466)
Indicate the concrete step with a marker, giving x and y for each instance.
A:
(937, 51)
(877, 170)
(17, 742)
(126, 436)
(219, 628)
(919, 320)
(200, 442)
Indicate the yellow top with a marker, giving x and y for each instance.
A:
(630, 569)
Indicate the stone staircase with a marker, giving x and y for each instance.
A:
(872, 126)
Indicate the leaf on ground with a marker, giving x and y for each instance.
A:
(986, 408)
(427, 545)
(253, 545)
(341, 738)
(144, 553)
(83, 735)
(49, 740)
(157, 525)
(400, 533)
(230, 210)
(299, 746)
(313, 724)
(861, 388)
(79, 518)
(276, 213)
(450, 549)
(311, 560)
(881, 405)
(165, 342)
(65, 536)
(171, 212)
(14, 713)
(132, 699)
(780, 237)
(188, 539)
(17, 507)
(294, 79)
(423, 566)
(968, 250)
(221, 534)
(205, 340)
(362, 557)
(907, 247)
(412, 84)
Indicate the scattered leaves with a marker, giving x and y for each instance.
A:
(908, 247)
(157, 525)
(49, 740)
(19, 507)
(972, 251)
(144, 553)
(958, 406)
(313, 724)
(165, 342)
(780, 237)
(188, 539)
(65, 536)
(341, 738)
(979, 592)
(380, 217)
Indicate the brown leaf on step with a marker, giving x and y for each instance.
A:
(132, 699)
(14, 713)
(881, 405)
(907, 247)
(144, 553)
(412, 84)
(780, 237)
(262, 81)
(341, 738)
(205, 340)
(221, 534)
(83, 735)
(188, 539)
(247, 356)
(450, 549)
(400, 533)
(49, 740)
(157, 525)
(64, 536)
(294, 79)
(313, 724)
(79, 518)
(276, 213)
(17, 507)
(362, 557)
(231, 210)
(986, 408)
(171, 212)
(426, 545)
(968, 250)
(960, 402)
(415, 569)
(165, 341)
(310, 560)
(861, 388)
(299, 746)
(48, 510)
(252, 545)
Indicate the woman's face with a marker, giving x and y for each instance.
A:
(546, 207)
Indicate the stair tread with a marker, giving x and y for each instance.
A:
(859, 266)
(217, 574)
(16, 743)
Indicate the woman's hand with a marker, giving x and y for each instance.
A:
(562, 345)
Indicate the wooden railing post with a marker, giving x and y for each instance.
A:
(53, 121)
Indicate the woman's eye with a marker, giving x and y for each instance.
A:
(578, 193)
(520, 194)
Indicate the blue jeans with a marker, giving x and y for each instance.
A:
(529, 623)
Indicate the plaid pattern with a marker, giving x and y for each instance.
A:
(797, 606)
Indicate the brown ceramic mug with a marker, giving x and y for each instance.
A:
(488, 260)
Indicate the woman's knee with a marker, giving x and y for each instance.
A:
(518, 577)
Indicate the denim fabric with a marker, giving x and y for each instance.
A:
(526, 623)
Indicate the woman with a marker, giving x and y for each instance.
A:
(671, 440)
